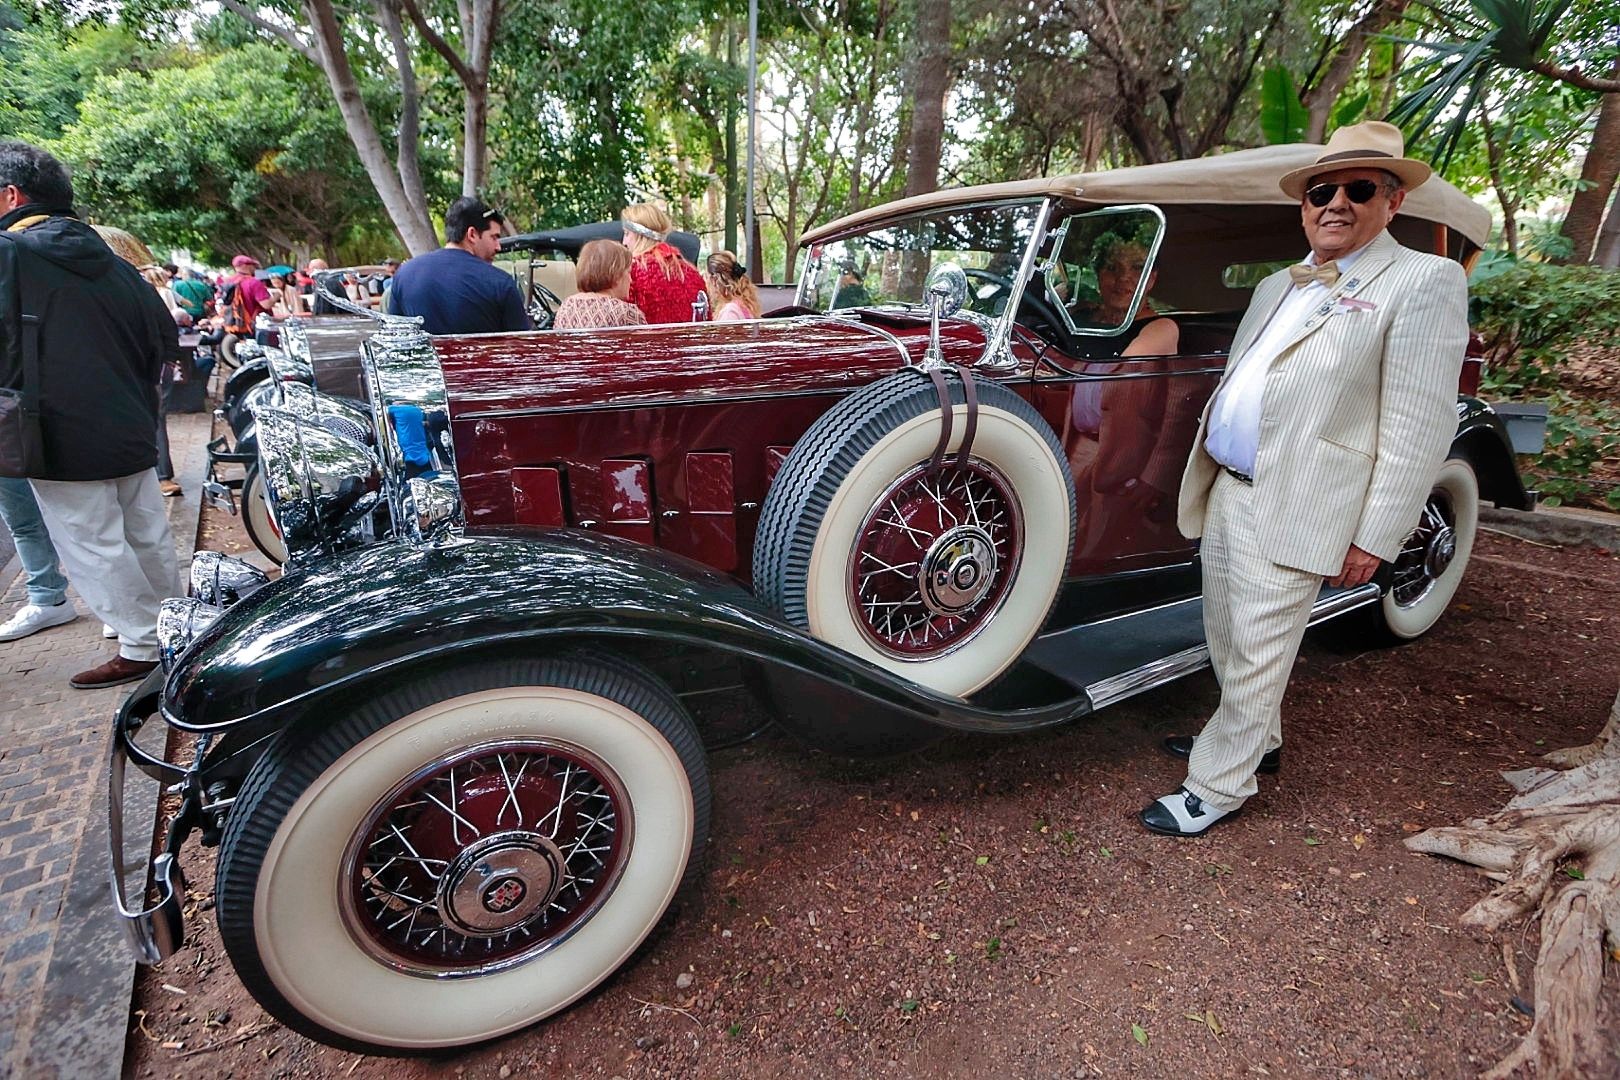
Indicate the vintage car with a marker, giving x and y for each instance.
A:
(445, 755)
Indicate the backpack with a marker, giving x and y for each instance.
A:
(237, 319)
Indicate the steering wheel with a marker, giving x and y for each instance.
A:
(991, 297)
(543, 304)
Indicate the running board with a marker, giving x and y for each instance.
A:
(1113, 659)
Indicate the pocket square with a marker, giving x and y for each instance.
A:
(1350, 303)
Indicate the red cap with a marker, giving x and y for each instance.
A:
(244, 260)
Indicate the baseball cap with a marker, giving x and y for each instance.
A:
(244, 260)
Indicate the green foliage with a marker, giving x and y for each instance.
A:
(571, 132)
(223, 155)
(1532, 317)
(1533, 314)
(45, 72)
(1581, 461)
(1349, 109)
(1282, 116)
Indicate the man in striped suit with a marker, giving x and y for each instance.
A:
(1316, 452)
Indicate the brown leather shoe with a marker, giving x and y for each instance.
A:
(113, 673)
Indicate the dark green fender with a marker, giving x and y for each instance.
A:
(368, 616)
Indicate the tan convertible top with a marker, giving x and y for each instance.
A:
(1242, 177)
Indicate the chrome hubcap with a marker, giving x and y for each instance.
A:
(958, 570)
(501, 883)
(1442, 549)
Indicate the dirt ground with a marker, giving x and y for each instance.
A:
(990, 907)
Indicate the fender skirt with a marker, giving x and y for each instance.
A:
(354, 618)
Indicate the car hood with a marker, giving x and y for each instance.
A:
(541, 371)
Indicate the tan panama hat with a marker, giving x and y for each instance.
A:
(1372, 145)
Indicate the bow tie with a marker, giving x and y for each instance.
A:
(1303, 273)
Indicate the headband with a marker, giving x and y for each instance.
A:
(641, 230)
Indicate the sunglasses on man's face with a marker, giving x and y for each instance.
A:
(1358, 191)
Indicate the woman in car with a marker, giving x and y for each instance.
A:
(732, 297)
(662, 284)
(602, 273)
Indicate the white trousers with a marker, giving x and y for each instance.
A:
(1254, 618)
(114, 540)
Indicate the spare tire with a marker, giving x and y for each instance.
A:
(942, 576)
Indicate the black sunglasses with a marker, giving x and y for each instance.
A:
(1359, 191)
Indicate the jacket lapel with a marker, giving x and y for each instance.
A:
(1374, 261)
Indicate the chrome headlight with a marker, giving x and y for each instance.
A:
(320, 485)
(332, 413)
(180, 619)
(221, 580)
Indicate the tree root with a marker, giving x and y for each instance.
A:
(1555, 847)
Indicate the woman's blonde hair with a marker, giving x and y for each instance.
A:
(125, 246)
(650, 217)
(649, 221)
(727, 280)
(155, 276)
(600, 265)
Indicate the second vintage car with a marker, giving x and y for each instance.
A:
(446, 756)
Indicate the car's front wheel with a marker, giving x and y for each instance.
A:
(1434, 556)
(258, 520)
(462, 855)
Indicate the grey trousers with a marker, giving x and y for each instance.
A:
(113, 537)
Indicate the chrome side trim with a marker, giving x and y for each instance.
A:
(1169, 668)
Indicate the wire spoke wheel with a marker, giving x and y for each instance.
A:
(486, 859)
(934, 558)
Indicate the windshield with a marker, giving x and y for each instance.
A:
(889, 264)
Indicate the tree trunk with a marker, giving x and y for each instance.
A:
(414, 229)
(930, 81)
(1598, 173)
(733, 188)
(1320, 99)
(1607, 254)
(1510, 205)
(407, 157)
(1555, 847)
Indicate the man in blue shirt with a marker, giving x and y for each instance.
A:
(456, 290)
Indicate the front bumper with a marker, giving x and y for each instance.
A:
(157, 929)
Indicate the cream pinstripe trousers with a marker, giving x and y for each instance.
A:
(1254, 618)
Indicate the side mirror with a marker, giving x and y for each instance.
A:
(946, 289)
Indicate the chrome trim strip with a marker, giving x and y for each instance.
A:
(1169, 668)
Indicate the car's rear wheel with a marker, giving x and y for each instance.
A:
(1434, 557)
(463, 855)
(258, 520)
(941, 576)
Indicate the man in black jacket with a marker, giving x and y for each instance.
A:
(103, 337)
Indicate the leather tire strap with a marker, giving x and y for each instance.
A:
(970, 392)
(946, 414)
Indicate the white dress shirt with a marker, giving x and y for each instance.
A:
(1233, 437)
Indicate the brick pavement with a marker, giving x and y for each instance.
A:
(65, 973)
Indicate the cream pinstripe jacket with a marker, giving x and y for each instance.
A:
(1358, 412)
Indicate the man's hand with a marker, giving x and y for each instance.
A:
(1359, 568)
